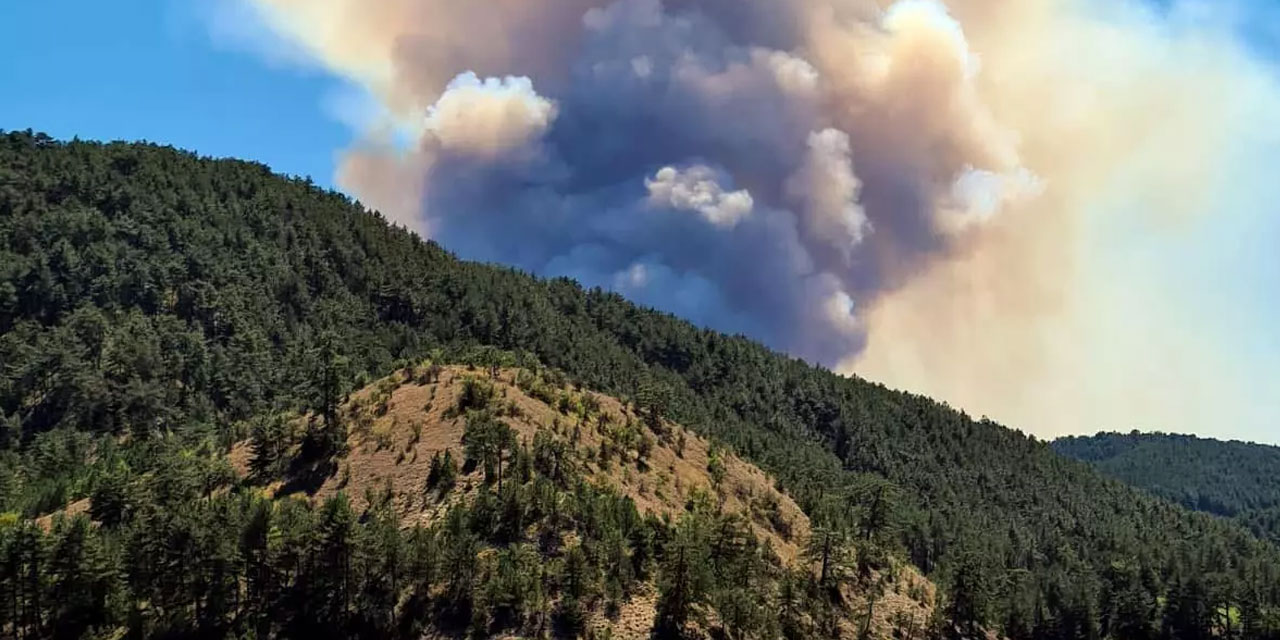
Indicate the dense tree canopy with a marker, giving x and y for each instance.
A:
(1223, 478)
(1239, 480)
(146, 292)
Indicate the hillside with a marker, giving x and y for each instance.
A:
(1232, 479)
(401, 427)
(1223, 478)
(162, 302)
(417, 415)
(497, 503)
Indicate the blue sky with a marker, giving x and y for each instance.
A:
(164, 71)
(152, 69)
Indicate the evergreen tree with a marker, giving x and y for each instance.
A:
(79, 580)
(684, 579)
(259, 566)
(151, 299)
(487, 440)
(328, 383)
(329, 578)
(269, 442)
(108, 502)
(874, 507)
(442, 473)
(828, 549)
(966, 608)
(1187, 612)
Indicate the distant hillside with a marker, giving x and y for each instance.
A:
(1222, 478)
(1238, 480)
(156, 308)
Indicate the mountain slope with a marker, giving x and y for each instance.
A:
(1239, 480)
(143, 290)
(422, 524)
(1223, 478)
(409, 414)
(400, 427)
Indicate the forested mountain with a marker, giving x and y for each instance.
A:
(153, 304)
(1223, 478)
(1232, 479)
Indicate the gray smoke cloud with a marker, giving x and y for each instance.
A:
(989, 202)
(757, 167)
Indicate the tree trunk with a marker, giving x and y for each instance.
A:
(826, 557)
(866, 624)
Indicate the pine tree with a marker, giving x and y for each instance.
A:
(684, 579)
(381, 559)
(25, 568)
(107, 503)
(442, 473)
(970, 593)
(792, 605)
(328, 382)
(1187, 609)
(268, 441)
(487, 440)
(828, 549)
(576, 585)
(261, 583)
(331, 578)
(874, 505)
(459, 547)
(81, 579)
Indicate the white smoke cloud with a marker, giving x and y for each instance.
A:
(698, 189)
(977, 195)
(826, 190)
(488, 117)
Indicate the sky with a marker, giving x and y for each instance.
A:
(1095, 251)
(158, 70)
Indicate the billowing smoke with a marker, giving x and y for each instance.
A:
(757, 166)
(908, 189)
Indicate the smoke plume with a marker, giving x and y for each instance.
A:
(912, 190)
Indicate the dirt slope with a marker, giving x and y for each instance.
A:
(398, 424)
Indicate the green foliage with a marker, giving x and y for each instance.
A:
(1223, 478)
(328, 381)
(1264, 523)
(476, 395)
(552, 457)
(874, 509)
(1238, 480)
(970, 597)
(488, 440)
(827, 549)
(109, 499)
(269, 440)
(152, 297)
(684, 579)
(715, 465)
(443, 472)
